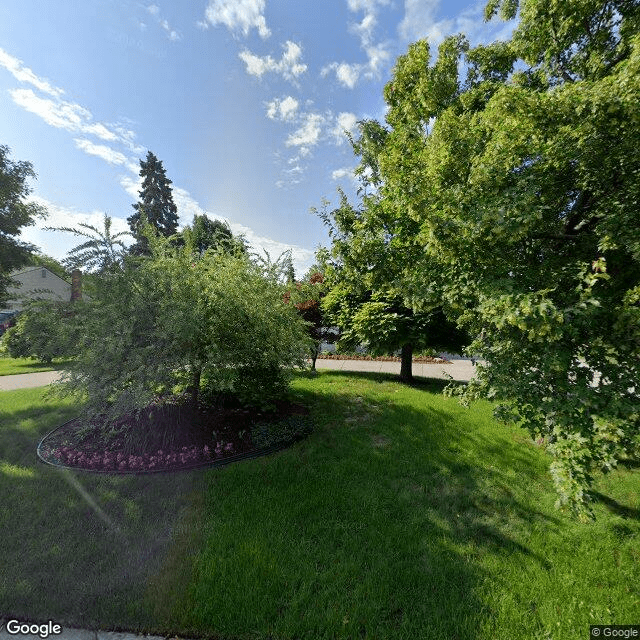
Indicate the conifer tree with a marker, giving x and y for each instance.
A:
(156, 204)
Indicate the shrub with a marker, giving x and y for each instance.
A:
(176, 321)
(43, 331)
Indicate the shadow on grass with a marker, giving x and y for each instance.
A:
(374, 527)
(615, 507)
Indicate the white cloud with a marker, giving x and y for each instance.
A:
(24, 74)
(344, 172)
(237, 15)
(188, 207)
(172, 34)
(308, 135)
(348, 74)
(57, 244)
(289, 66)
(344, 121)
(284, 109)
(71, 117)
(102, 151)
(131, 185)
(377, 55)
(420, 21)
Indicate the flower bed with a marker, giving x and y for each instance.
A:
(220, 436)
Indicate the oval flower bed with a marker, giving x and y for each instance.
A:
(211, 436)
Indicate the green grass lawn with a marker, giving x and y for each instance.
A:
(404, 515)
(12, 366)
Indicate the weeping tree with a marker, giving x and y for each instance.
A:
(171, 323)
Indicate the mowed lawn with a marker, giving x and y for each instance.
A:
(14, 366)
(404, 515)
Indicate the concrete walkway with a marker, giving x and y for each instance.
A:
(74, 634)
(28, 380)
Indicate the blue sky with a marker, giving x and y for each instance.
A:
(244, 101)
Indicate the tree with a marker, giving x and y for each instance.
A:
(211, 325)
(306, 297)
(522, 181)
(212, 234)
(156, 205)
(367, 271)
(43, 331)
(15, 213)
(102, 252)
(279, 270)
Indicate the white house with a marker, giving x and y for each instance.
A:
(35, 283)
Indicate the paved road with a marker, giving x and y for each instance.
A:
(461, 370)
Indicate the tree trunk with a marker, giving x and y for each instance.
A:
(194, 390)
(314, 356)
(406, 374)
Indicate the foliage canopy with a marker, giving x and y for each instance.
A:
(511, 194)
(213, 324)
(15, 213)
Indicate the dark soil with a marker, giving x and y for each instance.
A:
(163, 437)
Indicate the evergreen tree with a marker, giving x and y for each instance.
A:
(215, 234)
(156, 204)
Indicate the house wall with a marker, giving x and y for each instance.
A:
(36, 283)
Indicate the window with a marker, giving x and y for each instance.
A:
(44, 273)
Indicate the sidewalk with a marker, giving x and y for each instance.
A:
(28, 380)
(73, 634)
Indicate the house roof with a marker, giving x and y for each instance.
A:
(20, 272)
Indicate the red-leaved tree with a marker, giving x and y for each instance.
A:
(306, 298)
